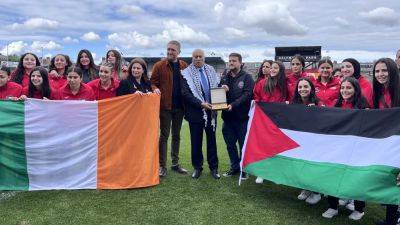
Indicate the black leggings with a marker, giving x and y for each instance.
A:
(334, 203)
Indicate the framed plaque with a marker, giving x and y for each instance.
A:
(218, 99)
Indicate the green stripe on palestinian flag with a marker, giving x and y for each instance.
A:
(345, 153)
(13, 171)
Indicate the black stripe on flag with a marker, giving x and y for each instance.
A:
(371, 123)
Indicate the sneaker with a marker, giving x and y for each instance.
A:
(356, 215)
(259, 180)
(343, 202)
(313, 198)
(179, 169)
(304, 194)
(231, 172)
(350, 205)
(162, 172)
(330, 213)
(244, 176)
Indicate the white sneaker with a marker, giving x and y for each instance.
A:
(356, 215)
(304, 194)
(330, 213)
(259, 180)
(350, 205)
(343, 202)
(313, 199)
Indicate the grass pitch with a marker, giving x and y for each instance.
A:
(177, 200)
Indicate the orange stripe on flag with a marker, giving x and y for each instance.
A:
(128, 142)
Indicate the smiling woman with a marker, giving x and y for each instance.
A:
(39, 85)
(27, 62)
(86, 63)
(59, 65)
(137, 80)
(386, 84)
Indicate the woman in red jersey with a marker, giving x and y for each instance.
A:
(326, 86)
(272, 88)
(59, 65)
(297, 65)
(105, 86)
(8, 90)
(264, 70)
(75, 89)
(118, 72)
(351, 68)
(27, 62)
(39, 86)
(386, 88)
(350, 97)
(305, 95)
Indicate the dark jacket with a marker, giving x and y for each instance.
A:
(192, 105)
(239, 95)
(130, 86)
(162, 78)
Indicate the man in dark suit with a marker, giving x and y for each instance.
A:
(198, 79)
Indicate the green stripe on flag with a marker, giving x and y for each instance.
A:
(13, 172)
(370, 183)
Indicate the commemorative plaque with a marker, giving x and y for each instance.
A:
(218, 99)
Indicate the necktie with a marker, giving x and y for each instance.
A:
(204, 84)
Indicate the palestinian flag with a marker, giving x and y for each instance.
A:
(352, 154)
(108, 144)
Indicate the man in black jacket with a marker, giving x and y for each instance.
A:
(198, 79)
(239, 86)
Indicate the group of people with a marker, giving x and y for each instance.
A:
(81, 81)
(186, 93)
(345, 88)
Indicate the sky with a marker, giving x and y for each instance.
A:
(365, 30)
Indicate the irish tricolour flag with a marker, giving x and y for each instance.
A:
(353, 154)
(109, 144)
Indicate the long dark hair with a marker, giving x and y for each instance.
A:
(19, 72)
(279, 81)
(312, 98)
(394, 84)
(356, 67)
(301, 59)
(118, 61)
(46, 90)
(93, 68)
(260, 74)
(358, 101)
(53, 66)
(322, 61)
(75, 69)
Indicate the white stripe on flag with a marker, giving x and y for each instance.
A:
(61, 144)
(344, 149)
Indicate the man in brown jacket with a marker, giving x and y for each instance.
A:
(166, 80)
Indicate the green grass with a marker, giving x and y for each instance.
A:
(177, 200)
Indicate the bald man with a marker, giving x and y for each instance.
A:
(198, 79)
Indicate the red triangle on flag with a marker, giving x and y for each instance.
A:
(265, 139)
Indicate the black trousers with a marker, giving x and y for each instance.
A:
(234, 132)
(170, 118)
(196, 138)
(334, 203)
(392, 215)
